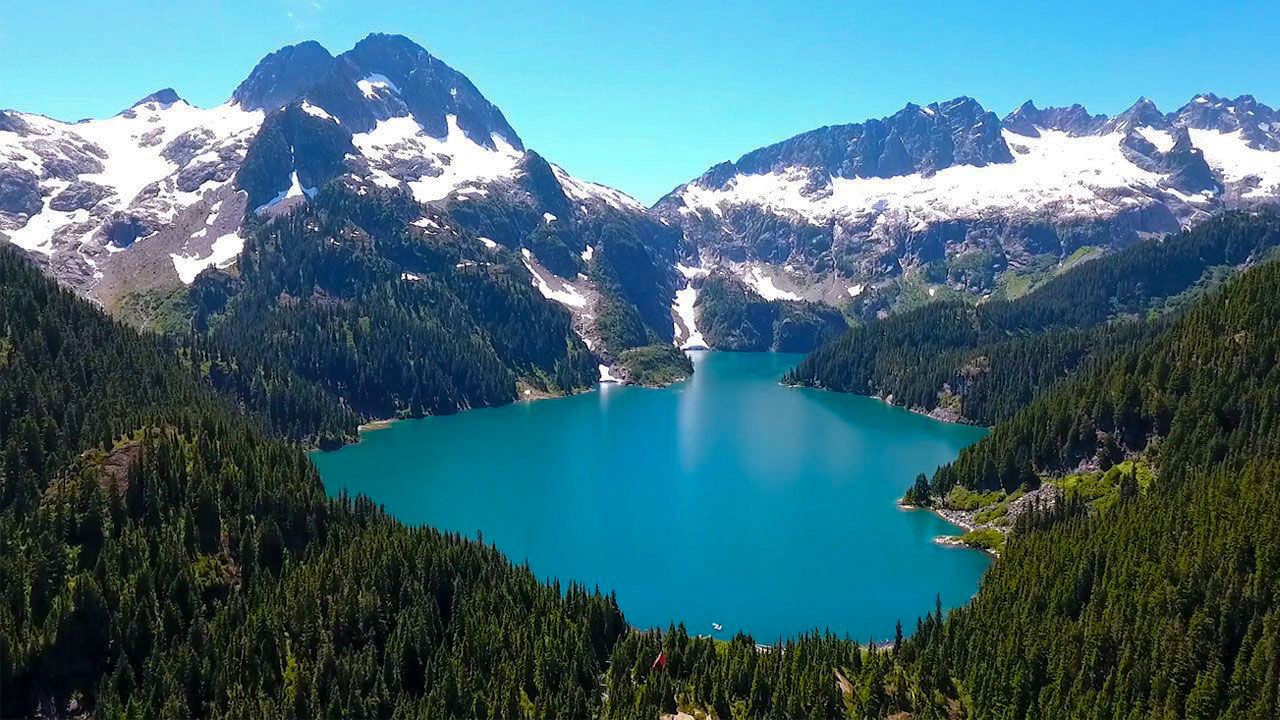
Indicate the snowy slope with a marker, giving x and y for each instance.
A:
(152, 196)
(98, 186)
(869, 203)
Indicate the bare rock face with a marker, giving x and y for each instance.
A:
(80, 195)
(12, 123)
(19, 193)
(283, 76)
(123, 228)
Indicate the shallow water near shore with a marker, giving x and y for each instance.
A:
(727, 498)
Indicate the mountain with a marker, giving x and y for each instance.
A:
(947, 198)
(173, 543)
(1066, 623)
(944, 201)
(144, 201)
(981, 363)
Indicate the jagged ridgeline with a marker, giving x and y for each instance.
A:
(163, 557)
(949, 200)
(983, 363)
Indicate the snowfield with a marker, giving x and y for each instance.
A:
(1056, 176)
(686, 298)
(126, 154)
(459, 159)
(225, 249)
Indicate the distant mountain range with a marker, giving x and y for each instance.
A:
(952, 190)
(870, 217)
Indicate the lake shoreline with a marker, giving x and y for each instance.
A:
(959, 518)
(530, 395)
(945, 415)
(765, 474)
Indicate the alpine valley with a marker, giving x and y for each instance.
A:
(195, 303)
(864, 218)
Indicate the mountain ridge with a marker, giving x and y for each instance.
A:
(861, 214)
(945, 199)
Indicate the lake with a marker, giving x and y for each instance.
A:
(727, 498)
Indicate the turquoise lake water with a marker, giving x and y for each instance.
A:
(727, 498)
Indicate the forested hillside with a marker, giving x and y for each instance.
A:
(732, 317)
(1205, 392)
(1165, 604)
(349, 298)
(982, 363)
(161, 556)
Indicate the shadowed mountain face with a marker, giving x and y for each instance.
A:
(383, 76)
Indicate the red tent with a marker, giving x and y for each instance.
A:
(659, 662)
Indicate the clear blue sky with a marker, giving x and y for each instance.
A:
(645, 95)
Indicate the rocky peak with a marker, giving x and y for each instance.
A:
(1074, 120)
(1184, 162)
(282, 76)
(1143, 113)
(1258, 124)
(164, 97)
(915, 139)
(1024, 120)
(12, 122)
(396, 69)
(382, 77)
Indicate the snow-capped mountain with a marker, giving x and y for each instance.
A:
(944, 196)
(79, 195)
(834, 212)
(150, 197)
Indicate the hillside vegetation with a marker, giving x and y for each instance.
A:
(166, 554)
(982, 363)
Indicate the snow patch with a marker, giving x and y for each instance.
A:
(854, 290)
(764, 287)
(691, 272)
(316, 111)
(581, 190)
(370, 85)
(295, 189)
(606, 375)
(589, 253)
(222, 251)
(548, 217)
(459, 160)
(1229, 155)
(686, 298)
(1160, 138)
(563, 292)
